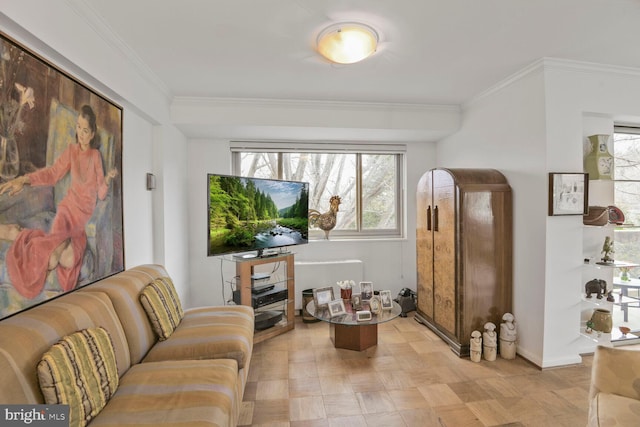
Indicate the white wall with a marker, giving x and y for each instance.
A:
(581, 98)
(137, 202)
(504, 129)
(389, 264)
(170, 206)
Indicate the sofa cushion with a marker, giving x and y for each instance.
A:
(175, 306)
(608, 409)
(162, 305)
(25, 337)
(124, 291)
(80, 371)
(176, 393)
(223, 332)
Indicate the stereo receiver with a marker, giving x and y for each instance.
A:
(264, 298)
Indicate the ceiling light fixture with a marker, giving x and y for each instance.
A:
(347, 42)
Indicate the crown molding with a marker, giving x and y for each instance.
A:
(547, 64)
(252, 118)
(88, 13)
(202, 102)
(588, 67)
(536, 66)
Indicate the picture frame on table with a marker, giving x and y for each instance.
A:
(363, 315)
(356, 301)
(375, 306)
(386, 301)
(366, 290)
(323, 296)
(336, 307)
(568, 193)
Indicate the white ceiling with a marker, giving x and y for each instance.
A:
(431, 51)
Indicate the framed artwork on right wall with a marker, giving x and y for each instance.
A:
(568, 193)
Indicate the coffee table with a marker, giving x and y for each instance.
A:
(349, 333)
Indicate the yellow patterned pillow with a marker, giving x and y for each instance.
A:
(80, 371)
(162, 305)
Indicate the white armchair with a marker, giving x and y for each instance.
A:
(614, 395)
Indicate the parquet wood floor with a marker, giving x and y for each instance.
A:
(411, 378)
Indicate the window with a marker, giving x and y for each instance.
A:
(626, 146)
(368, 181)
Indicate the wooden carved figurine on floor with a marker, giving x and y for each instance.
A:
(325, 221)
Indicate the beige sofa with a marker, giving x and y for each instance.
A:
(195, 377)
(614, 395)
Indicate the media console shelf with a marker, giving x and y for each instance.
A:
(246, 274)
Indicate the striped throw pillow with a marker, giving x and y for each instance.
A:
(162, 305)
(80, 371)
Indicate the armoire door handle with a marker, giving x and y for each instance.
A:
(435, 218)
(429, 218)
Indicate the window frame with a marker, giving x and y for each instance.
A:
(628, 130)
(397, 150)
(619, 129)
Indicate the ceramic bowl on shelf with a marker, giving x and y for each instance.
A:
(625, 330)
(615, 215)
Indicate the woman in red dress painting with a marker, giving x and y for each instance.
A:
(33, 252)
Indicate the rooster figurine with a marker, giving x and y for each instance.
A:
(325, 221)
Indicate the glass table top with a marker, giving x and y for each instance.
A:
(349, 318)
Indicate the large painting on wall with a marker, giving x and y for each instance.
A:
(61, 222)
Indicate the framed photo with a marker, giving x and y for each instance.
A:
(385, 300)
(363, 315)
(374, 305)
(356, 301)
(366, 290)
(52, 123)
(568, 193)
(336, 307)
(322, 297)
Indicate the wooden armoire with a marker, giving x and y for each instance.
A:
(464, 252)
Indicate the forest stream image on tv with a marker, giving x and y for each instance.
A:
(252, 214)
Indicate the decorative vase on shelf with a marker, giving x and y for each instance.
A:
(602, 320)
(9, 158)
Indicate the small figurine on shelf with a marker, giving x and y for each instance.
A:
(595, 286)
(607, 250)
(610, 297)
(589, 327)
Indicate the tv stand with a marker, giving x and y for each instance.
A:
(246, 279)
(268, 254)
(261, 253)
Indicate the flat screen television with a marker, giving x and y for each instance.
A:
(255, 214)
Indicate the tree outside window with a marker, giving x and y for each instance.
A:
(627, 195)
(369, 185)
